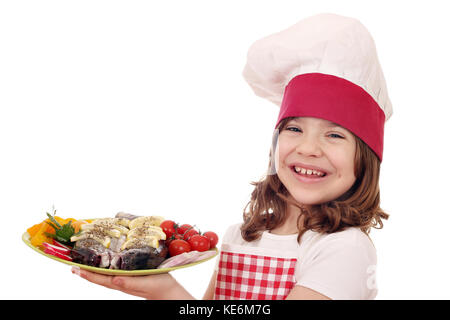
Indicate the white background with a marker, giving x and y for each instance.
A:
(140, 106)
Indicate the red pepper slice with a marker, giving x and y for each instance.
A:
(58, 252)
(59, 244)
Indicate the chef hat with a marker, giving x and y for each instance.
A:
(325, 66)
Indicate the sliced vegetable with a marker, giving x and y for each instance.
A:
(185, 258)
(59, 244)
(56, 248)
(56, 251)
(34, 229)
(76, 224)
(40, 236)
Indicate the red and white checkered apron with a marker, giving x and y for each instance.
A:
(254, 277)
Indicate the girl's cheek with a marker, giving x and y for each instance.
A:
(280, 155)
(344, 164)
(285, 146)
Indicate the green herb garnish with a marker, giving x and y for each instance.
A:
(63, 233)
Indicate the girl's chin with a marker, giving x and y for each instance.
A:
(308, 201)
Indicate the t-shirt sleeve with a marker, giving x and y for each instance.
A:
(231, 233)
(341, 270)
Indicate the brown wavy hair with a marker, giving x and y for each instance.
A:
(358, 207)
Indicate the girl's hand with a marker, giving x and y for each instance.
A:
(156, 287)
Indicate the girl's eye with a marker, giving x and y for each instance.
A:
(335, 135)
(294, 129)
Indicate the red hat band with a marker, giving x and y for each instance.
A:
(338, 100)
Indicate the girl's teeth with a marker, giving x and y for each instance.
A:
(308, 171)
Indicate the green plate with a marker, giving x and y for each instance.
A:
(26, 239)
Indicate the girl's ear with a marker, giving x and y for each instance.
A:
(273, 165)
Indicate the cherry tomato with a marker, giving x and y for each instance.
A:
(179, 246)
(212, 237)
(199, 243)
(183, 228)
(168, 227)
(189, 233)
(175, 236)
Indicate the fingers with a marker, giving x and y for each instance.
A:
(147, 283)
(100, 279)
(129, 285)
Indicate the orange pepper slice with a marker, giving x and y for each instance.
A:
(37, 231)
(34, 229)
(40, 237)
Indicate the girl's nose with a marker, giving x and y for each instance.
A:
(309, 146)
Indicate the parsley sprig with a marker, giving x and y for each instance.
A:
(63, 233)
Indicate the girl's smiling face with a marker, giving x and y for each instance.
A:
(315, 160)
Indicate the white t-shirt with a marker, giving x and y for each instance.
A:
(340, 265)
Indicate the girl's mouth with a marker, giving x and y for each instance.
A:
(309, 172)
(308, 175)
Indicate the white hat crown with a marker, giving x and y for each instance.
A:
(325, 43)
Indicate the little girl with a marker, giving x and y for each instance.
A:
(305, 229)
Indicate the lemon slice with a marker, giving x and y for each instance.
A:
(139, 243)
(116, 230)
(142, 232)
(122, 221)
(103, 220)
(146, 221)
(105, 241)
(103, 230)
